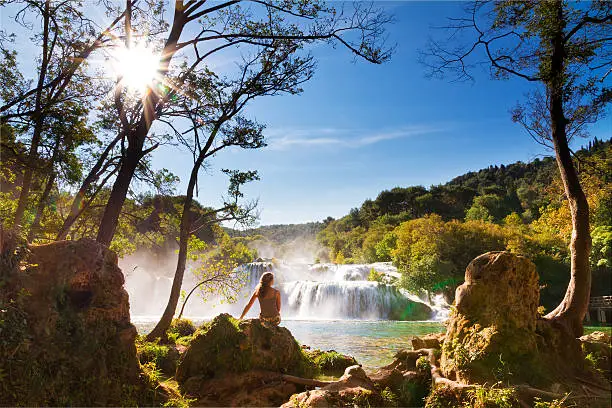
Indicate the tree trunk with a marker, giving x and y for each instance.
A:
(166, 319)
(189, 295)
(41, 206)
(110, 218)
(137, 137)
(77, 203)
(38, 124)
(574, 306)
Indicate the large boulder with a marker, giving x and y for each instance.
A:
(227, 345)
(492, 332)
(253, 388)
(65, 331)
(330, 362)
(240, 363)
(429, 341)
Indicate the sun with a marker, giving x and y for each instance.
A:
(135, 66)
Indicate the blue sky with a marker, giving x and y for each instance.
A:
(359, 128)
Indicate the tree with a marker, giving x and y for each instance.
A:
(218, 272)
(213, 105)
(66, 38)
(255, 25)
(564, 50)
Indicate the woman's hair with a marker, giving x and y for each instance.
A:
(264, 283)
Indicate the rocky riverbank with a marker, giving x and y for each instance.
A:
(66, 339)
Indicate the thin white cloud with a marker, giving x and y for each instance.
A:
(282, 139)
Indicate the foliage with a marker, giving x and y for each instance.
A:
(375, 276)
(389, 398)
(552, 404)
(182, 327)
(216, 268)
(518, 207)
(491, 397)
(601, 252)
(432, 254)
(423, 365)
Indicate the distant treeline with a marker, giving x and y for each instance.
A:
(432, 233)
(280, 233)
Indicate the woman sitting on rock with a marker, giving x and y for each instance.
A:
(269, 301)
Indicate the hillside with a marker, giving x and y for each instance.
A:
(280, 233)
(431, 234)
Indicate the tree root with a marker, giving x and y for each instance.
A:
(525, 393)
(305, 381)
(592, 384)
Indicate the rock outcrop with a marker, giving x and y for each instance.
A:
(65, 331)
(493, 328)
(226, 345)
(433, 341)
(495, 336)
(240, 363)
(330, 362)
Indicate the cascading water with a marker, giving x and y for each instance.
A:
(327, 291)
(309, 292)
(342, 300)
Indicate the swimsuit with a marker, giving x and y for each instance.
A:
(269, 315)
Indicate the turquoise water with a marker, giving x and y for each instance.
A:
(372, 343)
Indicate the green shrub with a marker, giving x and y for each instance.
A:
(184, 341)
(163, 356)
(423, 365)
(485, 397)
(182, 327)
(389, 398)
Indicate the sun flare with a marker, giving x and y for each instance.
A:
(136, 66)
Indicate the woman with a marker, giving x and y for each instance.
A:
(269, 301)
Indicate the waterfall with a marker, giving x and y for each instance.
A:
(319, 291)
(329, 291)
(343, 300)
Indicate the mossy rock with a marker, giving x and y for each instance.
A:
(182, 327)
(331, 362)
(226, 345)
(477, 397)
(491, 336)
(65, 331)
(164, 356)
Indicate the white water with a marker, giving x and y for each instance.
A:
(309, 292)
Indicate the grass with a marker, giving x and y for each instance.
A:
(591, 329)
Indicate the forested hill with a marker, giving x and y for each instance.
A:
(491, 193)
(431, 234)
(281, 233)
